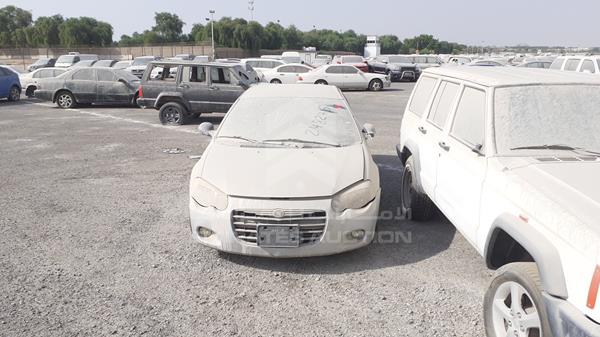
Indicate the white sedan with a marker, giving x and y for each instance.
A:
(286, 74)
(287, 174)
(346, 77)
(29, 81)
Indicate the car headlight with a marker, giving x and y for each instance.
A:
(206, 195)
(356, 196)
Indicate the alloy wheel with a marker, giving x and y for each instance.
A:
(65, 101)
(514, 313)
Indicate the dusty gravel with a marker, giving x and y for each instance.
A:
(94, 241)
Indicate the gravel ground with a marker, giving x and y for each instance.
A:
(94, 241)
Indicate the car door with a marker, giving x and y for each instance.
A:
(193, 85)
(111, 90)
(4, 82)
(354, 78)
(223, 88)
(379, 65)
(462, 165)
(334, 76)
(83, 85)
(286, 74)
(435, 123)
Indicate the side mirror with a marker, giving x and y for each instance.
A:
(478, 149)
(368, 130)
(206, 129)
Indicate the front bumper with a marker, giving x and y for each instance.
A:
(334, 240)
(407, 75)
(566, 320)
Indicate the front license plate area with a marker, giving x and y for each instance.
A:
(278, 236)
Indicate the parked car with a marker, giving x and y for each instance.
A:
(202, 58)
(197, 88)
(308, 185)
(511, 157)
(425, 61)
(89, 86)
(587, 64)
(44, 62)
(321, 60)
(287, 74)
(84, 64)
(459, 60)
(291, 57)
(398, 67)
(66, 61)
(140, 64)
(29, 80)
(123, 64)
(352, 60)
(249, 72)
(488, 63)
(10, 87)
(104, 63)
(345, 77)
(259, 65)
(535, 64)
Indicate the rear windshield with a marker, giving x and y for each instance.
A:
(352, 59)
(66, 59)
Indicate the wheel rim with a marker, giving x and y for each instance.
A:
(407, 188)
(65, 100)
(514, 313)
(172, 115)
(14, 94)
(276, 82)
(376, 86)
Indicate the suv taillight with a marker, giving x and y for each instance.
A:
(140, 92)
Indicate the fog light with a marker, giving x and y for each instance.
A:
(357, 234)
(204, 232)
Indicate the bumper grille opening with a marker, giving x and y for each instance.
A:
(311, 223)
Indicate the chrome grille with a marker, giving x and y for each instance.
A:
(311, 223)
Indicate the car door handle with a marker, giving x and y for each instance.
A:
(422, 129)
(444, 146)
(184, 86)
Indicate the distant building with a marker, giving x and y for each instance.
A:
(372, 48)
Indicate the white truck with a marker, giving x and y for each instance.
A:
(511, 156)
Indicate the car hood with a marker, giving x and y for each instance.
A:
(282, 172)
(571, 190)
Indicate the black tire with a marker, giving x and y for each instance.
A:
(376, 85)
(173, 114)
(321, 82)
(195, 115)
(525, 275)
(30, 92)
(275, 81)
(14, 94)
(65, 100)
(417, 206)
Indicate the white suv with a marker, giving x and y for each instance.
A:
(511, 157)
(582, 64)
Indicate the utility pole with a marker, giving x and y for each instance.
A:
(251, 9)
(212, 32)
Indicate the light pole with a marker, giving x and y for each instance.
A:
(251, 9)
(212, 31)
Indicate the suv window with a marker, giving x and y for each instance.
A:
(194, 74)
(443, 103)
(162, 73)
(105, 75)
(84, 75)
(572, 64)
(557, 64)
(421, 95)
(45, 73)
(219, 75)
(469, 123)
(300, 69)
(588, 65)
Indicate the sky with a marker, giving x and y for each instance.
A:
(491, 23)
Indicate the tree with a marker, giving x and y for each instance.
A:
(47, 30)
(85, 31)
(273, 37)
(292, 38)
(11, 20)
(390, 44)
(168, 26)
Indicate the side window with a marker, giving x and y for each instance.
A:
(105, 75)
(219, 75)
(37, 75)
(57, 72)
(588, 65)
(194, 74)
(572, 64)
(557, 64)
(333, 70)
(162, 73)
(421, 95)
(469, 123)
(85, 75)
(301, 70)
(443, 103)
(349, 70)
(45, 73)
(287, 69)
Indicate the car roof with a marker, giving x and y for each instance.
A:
(293, 90)
(195, 63)
(512, 76)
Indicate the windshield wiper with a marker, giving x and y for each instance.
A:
(241, 138)
(556, 147)
(302, 141)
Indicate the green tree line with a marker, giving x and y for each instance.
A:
(17, 29)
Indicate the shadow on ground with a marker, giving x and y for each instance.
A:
(418, 242)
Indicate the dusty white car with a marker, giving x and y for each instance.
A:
(287, 174)
(29, 81)
(511, 156)
(346, 77)
(286, 74)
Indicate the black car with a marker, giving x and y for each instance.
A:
(44, 62)
(89, 86)
(398, 67)
(181, 90)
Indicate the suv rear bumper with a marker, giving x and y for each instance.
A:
(566, 320)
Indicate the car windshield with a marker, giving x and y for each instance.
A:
(352, 59)
(141, 61)
(301, 122)
(66, 59)
(399, 59)
(538, 116)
